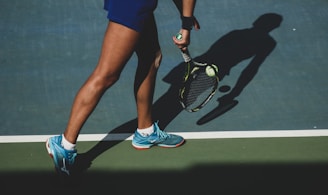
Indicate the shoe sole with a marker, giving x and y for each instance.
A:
(51, 155)
(145, 147)
(48, 149)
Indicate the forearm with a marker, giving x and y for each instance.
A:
(185, 7)
(188, 8)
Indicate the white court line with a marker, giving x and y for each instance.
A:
(186, 135)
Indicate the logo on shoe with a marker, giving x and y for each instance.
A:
(64, 169)
(153, 141)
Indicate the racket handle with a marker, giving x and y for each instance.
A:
(184, 51)
(185, 55)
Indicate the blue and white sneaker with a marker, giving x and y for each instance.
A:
(158, 138)
(63, 159)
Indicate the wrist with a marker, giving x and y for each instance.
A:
(187, 22)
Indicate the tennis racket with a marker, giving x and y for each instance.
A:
(199, 84)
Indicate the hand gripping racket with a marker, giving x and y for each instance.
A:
(199, 84)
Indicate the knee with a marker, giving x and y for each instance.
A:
(110, 80)
(158, 59)
(103, 82)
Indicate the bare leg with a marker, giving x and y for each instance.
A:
(118, 45)
(144, 94)
(149, 59)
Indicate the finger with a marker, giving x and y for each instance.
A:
(184, 48)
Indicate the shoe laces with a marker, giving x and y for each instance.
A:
(162, 135)
(71, 156)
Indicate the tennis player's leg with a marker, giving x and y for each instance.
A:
(149, 59)
(118, 45)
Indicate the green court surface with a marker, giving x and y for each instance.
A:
(213, 166)
(48, 49)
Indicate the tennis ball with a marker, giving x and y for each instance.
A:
(216, 68)
(210, 70)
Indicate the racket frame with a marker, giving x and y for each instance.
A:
(191, 66)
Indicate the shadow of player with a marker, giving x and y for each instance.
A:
(253, 43)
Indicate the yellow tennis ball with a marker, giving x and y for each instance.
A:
(210, 71)
(216, 68)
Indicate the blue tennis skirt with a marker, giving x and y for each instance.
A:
(130, 13)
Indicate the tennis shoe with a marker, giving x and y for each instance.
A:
(63, 159)
(158, 138)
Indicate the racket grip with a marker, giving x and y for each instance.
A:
(186, 56)
(184, 51)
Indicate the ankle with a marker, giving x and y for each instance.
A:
(146, 131)
(66, 144)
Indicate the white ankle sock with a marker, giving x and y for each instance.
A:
(147, 131)
(66, 144)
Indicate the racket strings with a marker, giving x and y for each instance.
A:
(198, 89)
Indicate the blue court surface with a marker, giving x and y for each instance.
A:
(276, 125)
